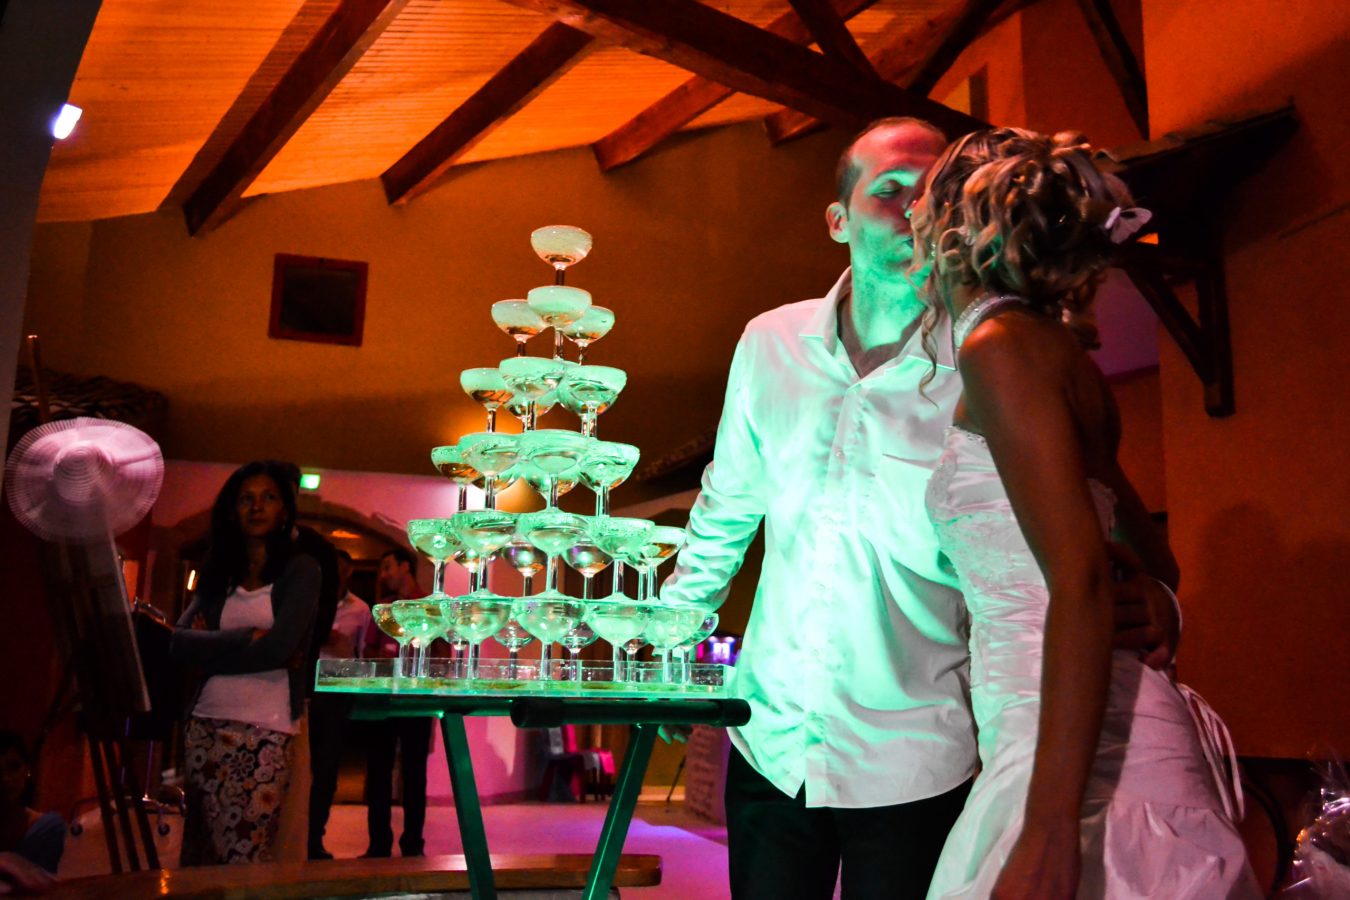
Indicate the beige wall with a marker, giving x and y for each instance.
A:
(689, 244)
(1258, 501)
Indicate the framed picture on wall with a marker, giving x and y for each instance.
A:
(318, 299)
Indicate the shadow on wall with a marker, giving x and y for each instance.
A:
(1291, 632)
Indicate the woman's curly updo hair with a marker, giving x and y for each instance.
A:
(1017, 212)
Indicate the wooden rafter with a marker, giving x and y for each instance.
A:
(1119, 58)
(693, 98)
(723, 48)
(344, 37)
(522, 79)
(917, 59)
(831, 34)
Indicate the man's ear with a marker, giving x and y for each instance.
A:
(836, 219)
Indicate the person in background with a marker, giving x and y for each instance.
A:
(329, 714)
(409, 738)
(247, 629)
(37, 837)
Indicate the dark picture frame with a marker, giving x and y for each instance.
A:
(318, 299)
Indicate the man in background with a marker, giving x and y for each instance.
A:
(407, 738)
(330, 714)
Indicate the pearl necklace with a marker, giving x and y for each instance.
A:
(977, 312)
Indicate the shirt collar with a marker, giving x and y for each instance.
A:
(824, 326)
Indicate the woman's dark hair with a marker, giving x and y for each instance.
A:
(226, 562)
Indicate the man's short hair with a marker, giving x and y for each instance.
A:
(403, 555)
(846, 173)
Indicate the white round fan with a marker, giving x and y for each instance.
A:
(83, 479)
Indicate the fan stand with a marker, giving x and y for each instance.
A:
(76, 577)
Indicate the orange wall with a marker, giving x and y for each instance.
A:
(1258, 501)
(689, 245)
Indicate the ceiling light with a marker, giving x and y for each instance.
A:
(65, 120)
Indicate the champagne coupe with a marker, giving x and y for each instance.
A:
(590, 390)
(559, 306)
(581, 635)
(617, 619)
(476, 617)
(560, 246)
(663, 543)
(492, 454)
(437, 540)
(539, 480)
(606, 466)
(424, 621)
(556, 454)
(534, 378)
(385, 621)
(526, 559)
(517, 319)
(686, 648)
(528, 411)
(483, 531)
(550, 614)
(449, 461)
(594, 324)
(670, 625)
(486, 386)
(587, 557)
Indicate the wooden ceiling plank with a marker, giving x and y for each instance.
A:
(749, 59)
(1119, 58)
(831, 34)
(522, 79)
(911, 58)
(693, 98)
(344, 37)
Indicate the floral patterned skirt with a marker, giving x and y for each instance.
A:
(237, 775)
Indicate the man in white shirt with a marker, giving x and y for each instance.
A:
(860, 744)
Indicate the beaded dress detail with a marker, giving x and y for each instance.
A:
(1153, 821)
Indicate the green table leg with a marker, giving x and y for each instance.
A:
(472, 835)
(620, 815)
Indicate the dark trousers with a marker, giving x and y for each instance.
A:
(780, 849)
(329, 718)
(411, 738)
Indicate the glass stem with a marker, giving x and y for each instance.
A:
(529, 586)
(667, 673)
(588, 423)
(492, 419)
(581, 352)
(618, 577)
(559, 275)
(686, 667)
(550, 576)
(531, 412)
(461, 498)
(553, 493)
(489, 491)
(557, 341)
(401, 664)
(586, 588)
(520, 347)
(617, 674)
(576, 664)
(513, 657)
(473, 661)
(438, 578)
(545, 654)
(420, 660)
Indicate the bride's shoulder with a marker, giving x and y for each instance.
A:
(1021, 342)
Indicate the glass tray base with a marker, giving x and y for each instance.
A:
(497, 678)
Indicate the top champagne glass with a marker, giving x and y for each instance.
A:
(560, 246)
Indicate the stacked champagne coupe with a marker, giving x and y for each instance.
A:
(552, 461)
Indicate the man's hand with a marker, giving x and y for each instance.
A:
(1146, 619)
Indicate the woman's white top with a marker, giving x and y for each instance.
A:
(258, 698)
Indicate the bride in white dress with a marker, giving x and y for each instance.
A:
(1116, 798)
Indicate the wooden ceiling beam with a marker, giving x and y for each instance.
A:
(342, 40)
(751, 60)
(543, 62)
(917, 59)
(832, 35)
(1119, 58)
(693, 98)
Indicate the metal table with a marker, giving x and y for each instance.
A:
(645, 714)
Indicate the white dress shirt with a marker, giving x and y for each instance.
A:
(855, 661)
